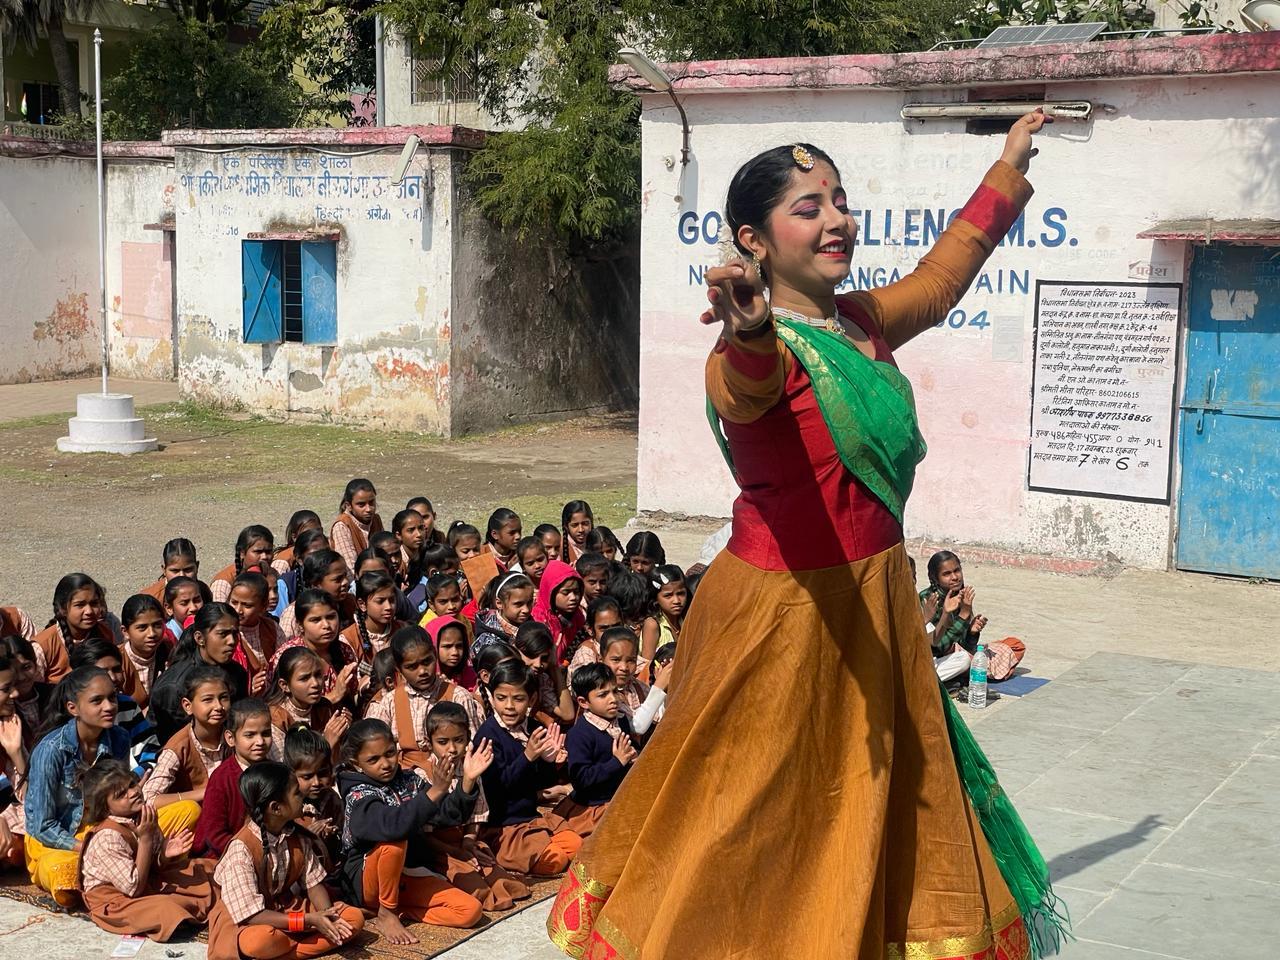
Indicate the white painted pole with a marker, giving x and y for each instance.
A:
(379, 73)
(102, 226)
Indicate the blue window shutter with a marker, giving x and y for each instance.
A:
(261, 283)
(319, 292)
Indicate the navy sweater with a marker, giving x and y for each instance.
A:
(594, 771)
(512, 782)
(388, 813)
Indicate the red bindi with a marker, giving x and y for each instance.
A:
(824, 183)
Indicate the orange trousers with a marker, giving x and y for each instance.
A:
(429, 899)
(261, 942)
(561, 849)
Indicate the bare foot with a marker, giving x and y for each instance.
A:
(390, 927)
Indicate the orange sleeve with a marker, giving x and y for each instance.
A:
(925, 296)
(745, 376)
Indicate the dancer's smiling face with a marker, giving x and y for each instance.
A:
(807, 240)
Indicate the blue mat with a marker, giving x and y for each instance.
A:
(1019, 686)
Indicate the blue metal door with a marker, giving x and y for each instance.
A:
(1229, 425)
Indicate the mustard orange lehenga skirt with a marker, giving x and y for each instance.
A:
(800, 795)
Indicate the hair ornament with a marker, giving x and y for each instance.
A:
(803, 158)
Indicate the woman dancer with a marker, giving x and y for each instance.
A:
(801, 792)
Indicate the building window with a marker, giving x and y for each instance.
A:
(39, 103)
(290, 291)
(430, 87)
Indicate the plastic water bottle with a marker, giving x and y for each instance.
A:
(978, 679)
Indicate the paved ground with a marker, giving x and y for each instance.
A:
(19, 400)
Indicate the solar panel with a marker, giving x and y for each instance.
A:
(1043, 33)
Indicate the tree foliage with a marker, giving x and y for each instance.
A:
(28, 20)
(544, 67)
(183, 74)
(330, 42)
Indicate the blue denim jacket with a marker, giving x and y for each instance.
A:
(53, 805)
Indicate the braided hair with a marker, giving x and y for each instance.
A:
(262, 784)
(67, 588)
(369, 584)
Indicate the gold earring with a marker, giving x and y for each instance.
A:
(755, 262)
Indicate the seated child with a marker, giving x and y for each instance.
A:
(559, 608)
(419, 688)
(146, 653)
(576, 522)
(554, 702)
(250, 598)
(501, 536)
(449, 634)
(375, 618)
(549, 536)
(663, 624)
(298, 700)
(248, 734)
(183, 597)
(600, 746)
(444, 599)
(187, 760)
(603, 613)
(486, 663)
(273, 903)
(595, 571)
(644, 552)
(506, 604)
(958, 629)
(79, 612)
(177, 559)
(525, 761)
(458, 852)
(532, 559)
(432, 535)
(357, 520)
(82, 728)
(255, 547)
(134, 881)
(144, 745)
(636, 701)
(14, 763)
(605, 542)
(310, 757)
(385, 809)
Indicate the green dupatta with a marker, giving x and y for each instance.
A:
(869, 408)
(867, 405)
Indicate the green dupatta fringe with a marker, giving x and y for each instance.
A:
(868, 407)
(1023, 868)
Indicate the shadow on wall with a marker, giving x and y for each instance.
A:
(537, 333)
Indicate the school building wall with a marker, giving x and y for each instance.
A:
(49, 316)
(389, 364)
(1181, 129)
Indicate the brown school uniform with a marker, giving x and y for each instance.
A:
(53, 659)
(182, 764)
(156, 589)
(478, 571)
(269, 637)
(282, 893)
(492, 886)
(284, 718)
(350, 637)
(220, 585)
(359, 536)
(133, 685)
(283, 560)
(405, 712)
(172, 895)
(14, 620)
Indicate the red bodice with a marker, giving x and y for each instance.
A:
(800, 508)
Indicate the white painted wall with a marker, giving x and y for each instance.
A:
(1172, 148)
(139, 269)
(49, 318)
(390, 366)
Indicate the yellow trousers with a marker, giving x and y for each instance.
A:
(58, 871)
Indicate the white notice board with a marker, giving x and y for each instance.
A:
(1102, 397)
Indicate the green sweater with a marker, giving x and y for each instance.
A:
(957, 631)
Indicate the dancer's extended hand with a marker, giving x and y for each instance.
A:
(1018, 150)
(736, 294)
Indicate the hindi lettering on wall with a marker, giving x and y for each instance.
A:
(1106, 367)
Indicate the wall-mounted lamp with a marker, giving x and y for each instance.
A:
(659, 80)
